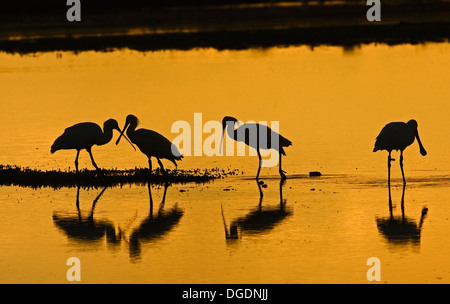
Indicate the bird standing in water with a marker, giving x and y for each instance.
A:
(83, 136)
(151, 143)
(261, 138)
(398, 136)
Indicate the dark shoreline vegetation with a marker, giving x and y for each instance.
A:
(26, 177)
(345, 36)
(235, 24)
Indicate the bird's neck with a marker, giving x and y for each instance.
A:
(130, 132)
(107, 136)
(232, 133)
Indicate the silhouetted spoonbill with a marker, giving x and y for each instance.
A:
(260, 220)
(83, 136)
(154, 226)
(242, 133)
(398, 136)
(150, 143)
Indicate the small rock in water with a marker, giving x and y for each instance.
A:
(315, 173)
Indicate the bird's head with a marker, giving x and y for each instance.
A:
(226, 121)
(131, 120)
(111, 124)
(414, 126)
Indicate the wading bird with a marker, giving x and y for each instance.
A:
(258, 137)
(261, 219)
(83, 136)
(398, 136)
(154, 226)
(401, 230)
(151, 143)
(88, 230)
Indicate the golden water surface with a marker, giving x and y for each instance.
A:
(330, 103)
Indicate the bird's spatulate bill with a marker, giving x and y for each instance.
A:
(122, 133)
(226, 123)
(422, 149)
(129, 141)
(221, 141)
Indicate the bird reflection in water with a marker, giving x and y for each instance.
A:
(153, 227)
(401, 230)
(259, 220)
(88, 230)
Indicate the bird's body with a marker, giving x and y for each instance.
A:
(83, 136)
(398, 136)
(154, 226)
(258, 137)
(395, 136)
(151, 143)
(242, 134)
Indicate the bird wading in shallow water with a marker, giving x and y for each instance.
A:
(258, 137)
(398, 136)
(83, 136)
(151, 143)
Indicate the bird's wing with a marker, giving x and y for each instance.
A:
(391, 128)
(81, 135)
(83, 126)
(152, 143)
(145, 135)
(249, 133)
(393, 136)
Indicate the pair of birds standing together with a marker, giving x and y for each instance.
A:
(86, 134)
(394, 136)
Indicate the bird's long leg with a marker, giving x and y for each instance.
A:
(161, 206)
(94, 203)
(227, 234)
(78, 202)
(283, 176)
(282, 203)
(150, 196)
(92, 159)
(401, 167)
(150, 166)
(260, 162)
(162, 167)
(389, 178)
(261, 194)
(76, 161)
(403, 202)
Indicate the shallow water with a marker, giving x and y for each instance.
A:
(330, 103)
(324, 231)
